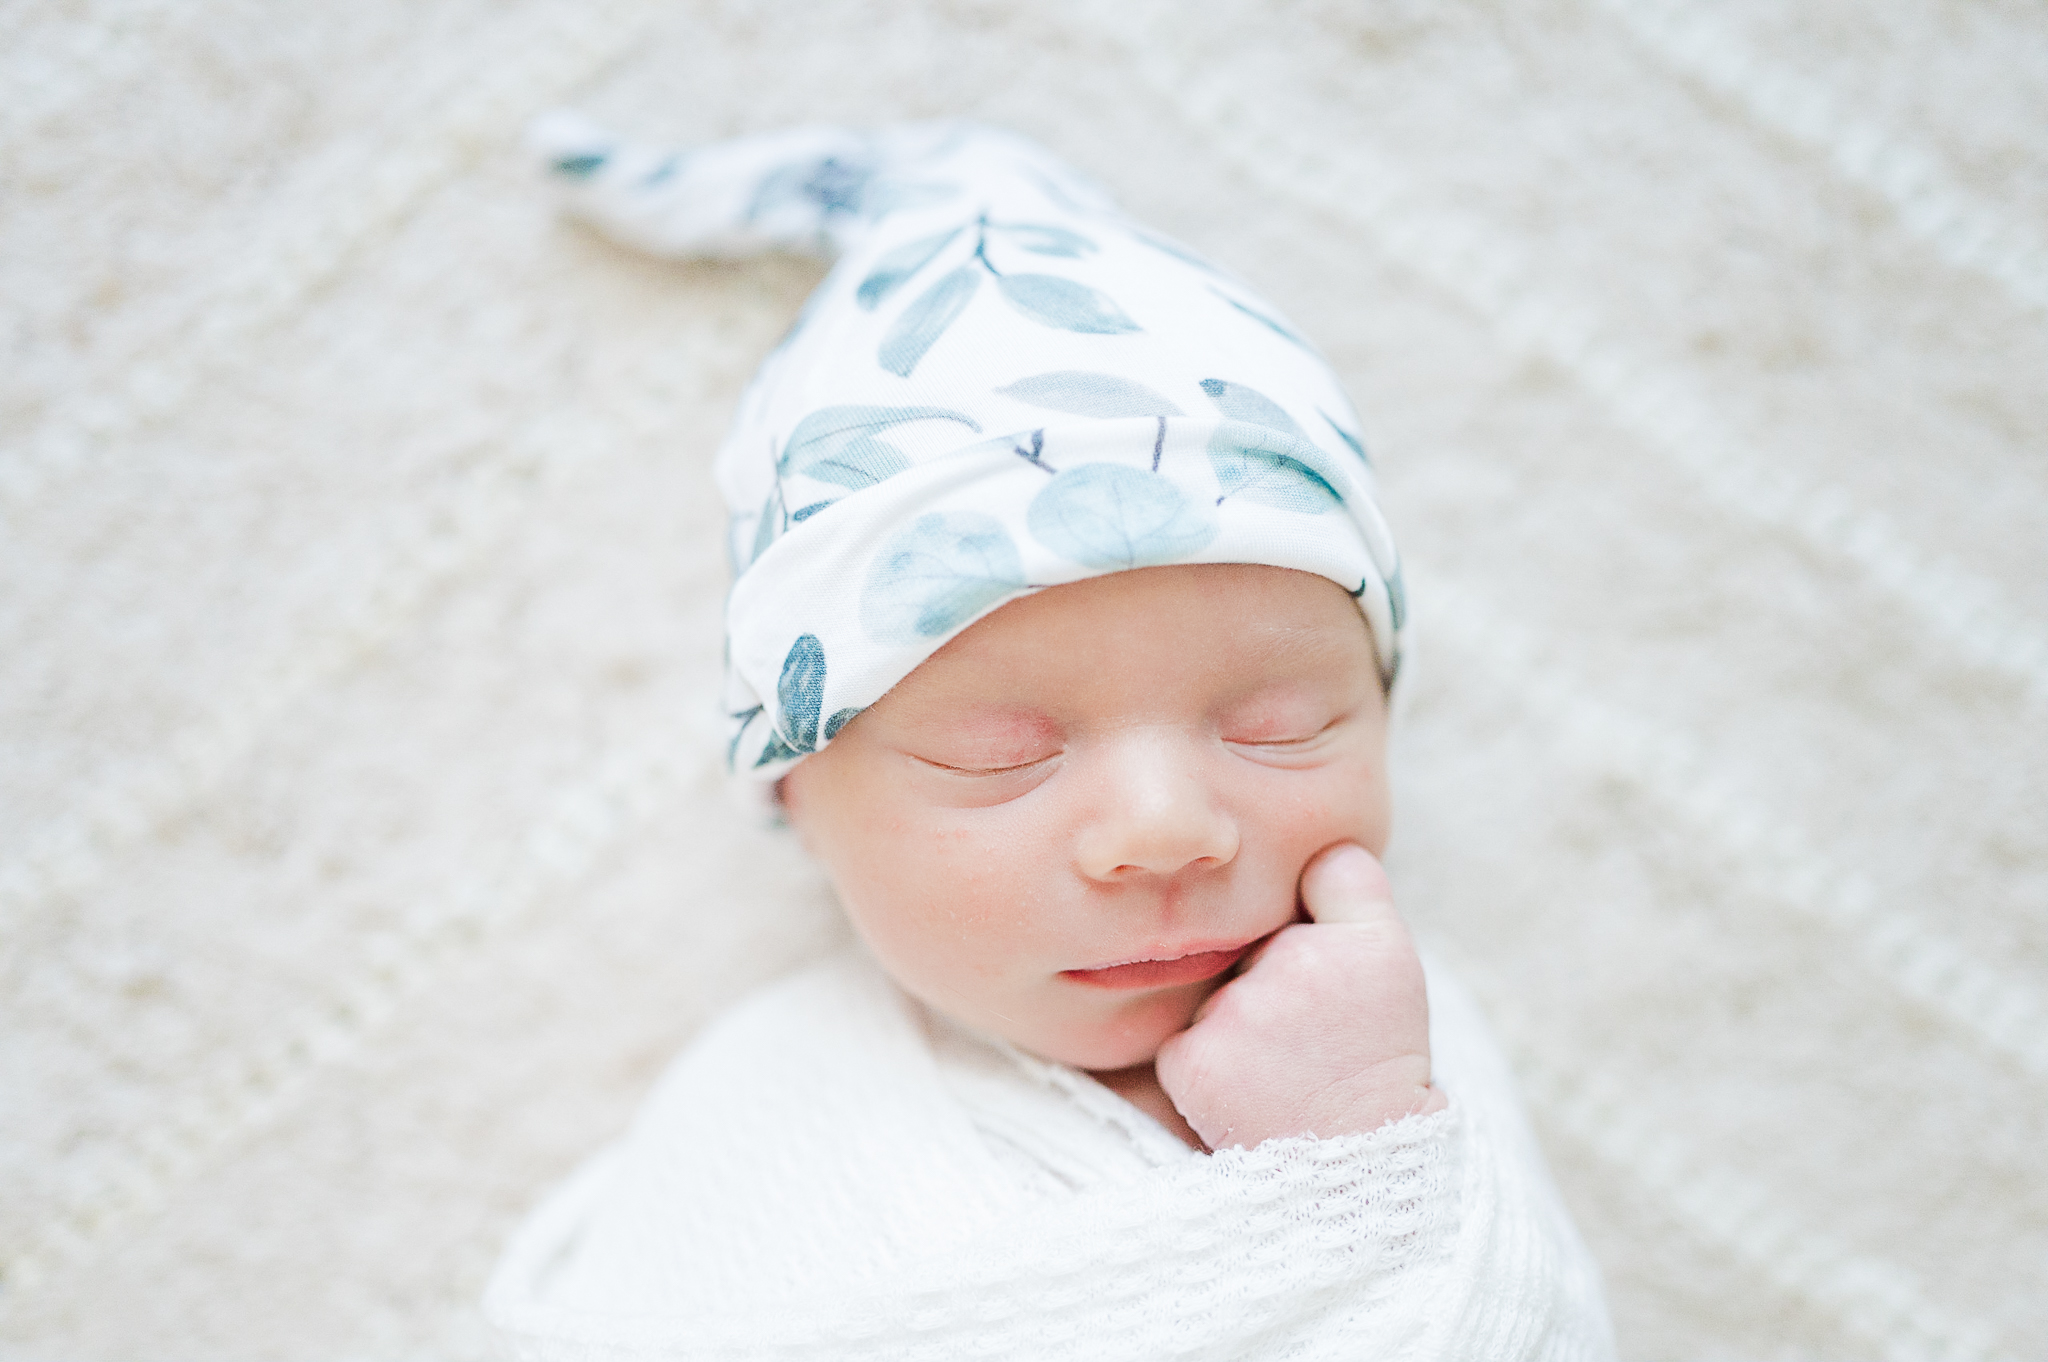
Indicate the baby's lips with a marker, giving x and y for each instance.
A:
(1192, 968)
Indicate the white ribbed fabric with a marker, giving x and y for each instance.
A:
(831, 1172)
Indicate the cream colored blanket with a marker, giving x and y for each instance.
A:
(831, 1171)
(364, 847)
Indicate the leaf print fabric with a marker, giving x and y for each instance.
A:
(1005, 385)
(937, 573)
(1241, 402)
(768, 526)
(898, 265)
(1284, 332)
(1061, 302)
(891, 196)
(1043, 238)
(1352, 442)
(1045, 298)
(1113, 517)
(799, 694)
(1085, 392)
(840, 444)
(1269, 467)
(925, 320)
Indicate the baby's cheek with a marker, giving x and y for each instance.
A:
(954, 921)
(1127, 1031)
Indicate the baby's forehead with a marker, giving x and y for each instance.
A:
(1219, 633)
(1196, 611)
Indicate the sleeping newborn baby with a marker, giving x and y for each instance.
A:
(1062, 630)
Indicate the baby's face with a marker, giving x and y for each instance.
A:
(1132, 768)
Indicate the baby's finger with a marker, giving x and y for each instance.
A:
(1345, 883)
(1251, 957)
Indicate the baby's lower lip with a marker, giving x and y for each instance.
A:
(1185, 969)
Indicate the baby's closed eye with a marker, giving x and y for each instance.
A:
(1281, 722)
(986, 744)
(985, 765)
(1287, 738)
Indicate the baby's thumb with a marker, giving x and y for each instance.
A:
(1345, 883)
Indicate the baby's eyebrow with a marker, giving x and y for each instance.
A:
(1003, 722)
(1272, 701)
(1282, 643)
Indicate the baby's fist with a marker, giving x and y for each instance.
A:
(1327, 1033)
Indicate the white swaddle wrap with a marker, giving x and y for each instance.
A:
(832, 1172)
(1007, 385)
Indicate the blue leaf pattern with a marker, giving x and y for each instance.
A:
(1240, 403)
(1261, 464)
(744, 719)
(800, 693)
(776, 750)
(1272, 324)
(1166, 245)
(1086, 392)
(839, 720)
(898, 265)
(769, 526)
(1110, 516)
(837, 444)
(926, 319)
(1041, 238)
(1066, 304)
(884, 197)
(859, 463)
(937, 573)
(782, 186)
(1357, 446)
(832, 185)
(838, 186)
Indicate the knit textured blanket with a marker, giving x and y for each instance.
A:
(831, 1171)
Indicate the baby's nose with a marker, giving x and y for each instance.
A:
(1156, 815)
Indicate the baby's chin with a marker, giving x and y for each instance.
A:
(1124, 1035)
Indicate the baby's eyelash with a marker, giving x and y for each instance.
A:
(1287, 742)
(983, 770)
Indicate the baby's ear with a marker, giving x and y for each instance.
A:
(784, 803)
(755, 803)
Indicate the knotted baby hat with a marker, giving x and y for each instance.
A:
(1004, 384)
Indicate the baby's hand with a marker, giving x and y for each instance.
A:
(1327, 1032)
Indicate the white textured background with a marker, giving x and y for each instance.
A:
(363, 850)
